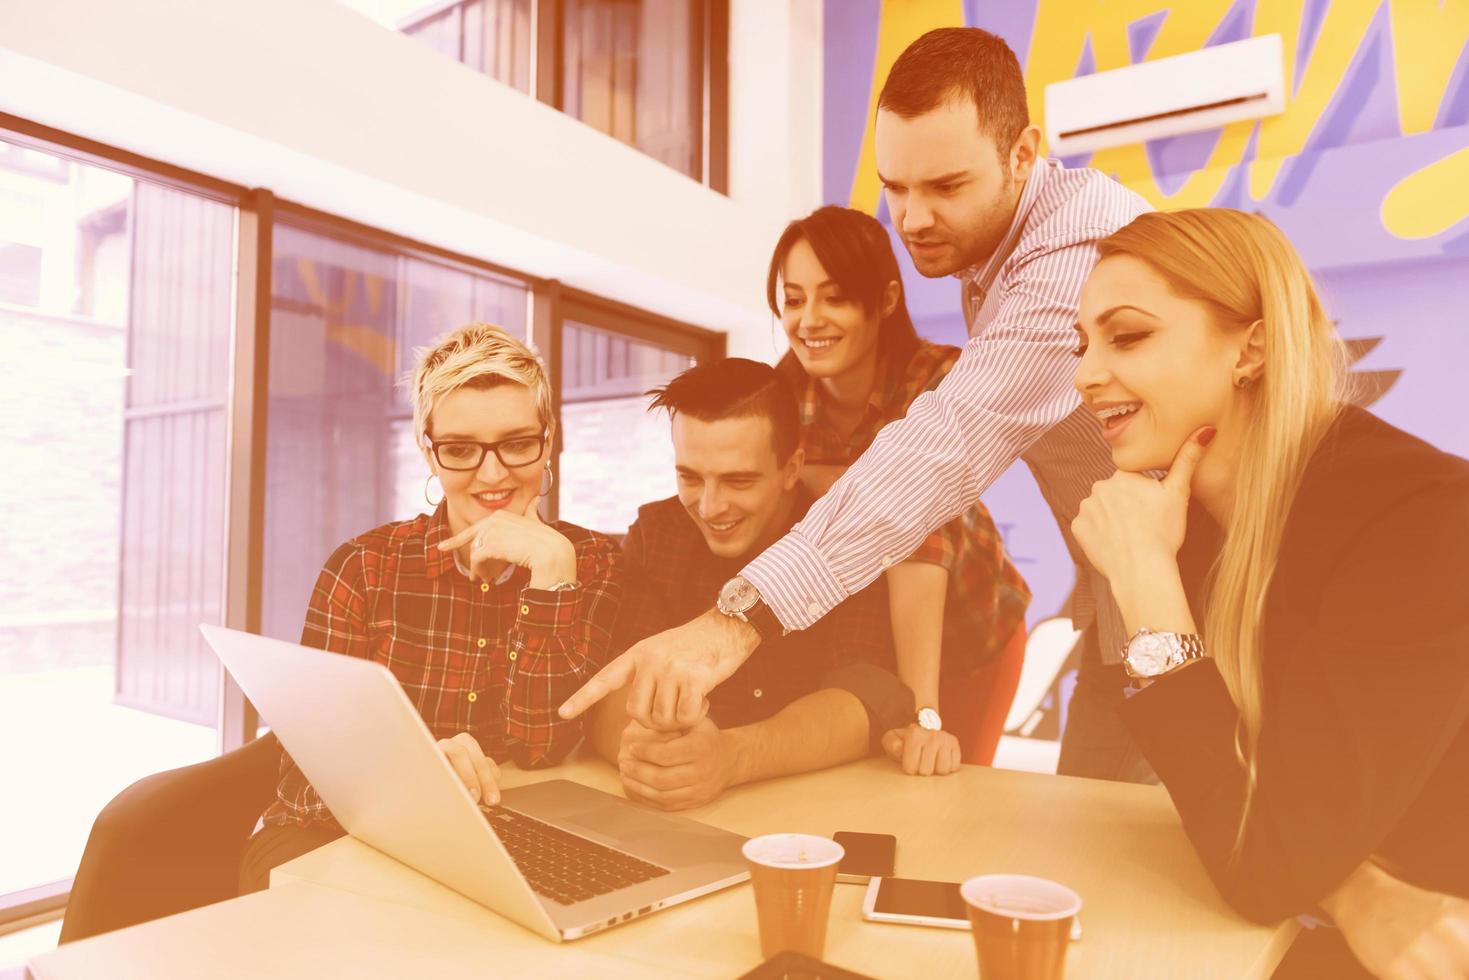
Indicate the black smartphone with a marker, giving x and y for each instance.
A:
(868, 856)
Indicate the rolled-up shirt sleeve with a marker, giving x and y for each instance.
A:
(1011, 385)
(887, 700)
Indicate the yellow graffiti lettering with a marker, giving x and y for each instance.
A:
(1427, 38)
(902, 22)
(367, 343)
(361, 339)
(1341, 35)
(1430, 200)
(1062, 28)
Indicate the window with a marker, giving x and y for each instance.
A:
(651, 73)
(491, 36)
(144, 436)
(632, 68)
(119, 324)
(615, 454)
(347, 314)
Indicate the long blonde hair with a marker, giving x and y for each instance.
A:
(1243, 268)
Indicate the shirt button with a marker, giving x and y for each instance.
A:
(525, 610)
(484, 586)
(473, 697)
(480, 643)
(813, 609)
(513, 654)
(886, 560)
(758, 693)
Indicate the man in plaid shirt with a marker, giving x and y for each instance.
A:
(804, 701)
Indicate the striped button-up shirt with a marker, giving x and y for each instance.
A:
(986, 597)
(491, 659)
(1010, 396)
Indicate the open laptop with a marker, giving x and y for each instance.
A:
(559, 858)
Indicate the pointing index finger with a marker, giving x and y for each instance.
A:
(458, 539)
(610, 678)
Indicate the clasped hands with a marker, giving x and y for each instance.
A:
(676, 770)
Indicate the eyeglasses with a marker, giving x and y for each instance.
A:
(512, 453)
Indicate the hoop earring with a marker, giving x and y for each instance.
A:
(548, 480)
(431, 502)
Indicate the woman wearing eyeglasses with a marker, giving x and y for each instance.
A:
(488, 616)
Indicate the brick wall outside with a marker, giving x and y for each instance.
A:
(60, 490)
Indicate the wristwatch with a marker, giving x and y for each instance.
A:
(1148, 654)
(740, 600)
(929, 720)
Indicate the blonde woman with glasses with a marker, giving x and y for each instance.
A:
(1293, 588)
(487, 615)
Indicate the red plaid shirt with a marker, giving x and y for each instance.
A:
(494, 660)
(987, 596)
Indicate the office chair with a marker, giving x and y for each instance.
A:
(171, 841)
(1046, 654)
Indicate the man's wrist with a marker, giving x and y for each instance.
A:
(743, 637)
(737, 756)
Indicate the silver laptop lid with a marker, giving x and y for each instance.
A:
(347, 723)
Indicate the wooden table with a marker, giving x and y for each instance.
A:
(346, 910)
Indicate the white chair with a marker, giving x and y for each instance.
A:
(1046, 650)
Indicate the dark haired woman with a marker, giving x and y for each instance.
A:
(856, 364)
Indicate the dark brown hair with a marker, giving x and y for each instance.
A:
(734, 388)
(854, 249)
(960, 63)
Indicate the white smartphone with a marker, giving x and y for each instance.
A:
(913, 902)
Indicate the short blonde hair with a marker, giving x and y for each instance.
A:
(478, 355)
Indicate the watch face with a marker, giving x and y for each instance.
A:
(928, 719)
(737, 596)
(1150, 654)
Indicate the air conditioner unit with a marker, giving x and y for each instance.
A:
(1183, 94)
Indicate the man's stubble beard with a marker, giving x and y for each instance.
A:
(974, 253)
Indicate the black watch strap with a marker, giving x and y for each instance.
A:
(763, 618)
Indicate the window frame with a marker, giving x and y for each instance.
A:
(711, 68)
(257, 210)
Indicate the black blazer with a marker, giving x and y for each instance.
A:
(1364, 749)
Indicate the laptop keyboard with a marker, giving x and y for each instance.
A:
(562, 866)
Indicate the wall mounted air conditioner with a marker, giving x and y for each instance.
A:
(1182, 94)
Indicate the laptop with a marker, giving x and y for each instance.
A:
(559, 858)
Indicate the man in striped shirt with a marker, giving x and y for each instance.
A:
(970, 196)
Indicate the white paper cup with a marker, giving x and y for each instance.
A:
(793, 876)
(1021, 925)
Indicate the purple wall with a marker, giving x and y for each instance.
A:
(1367, 171)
